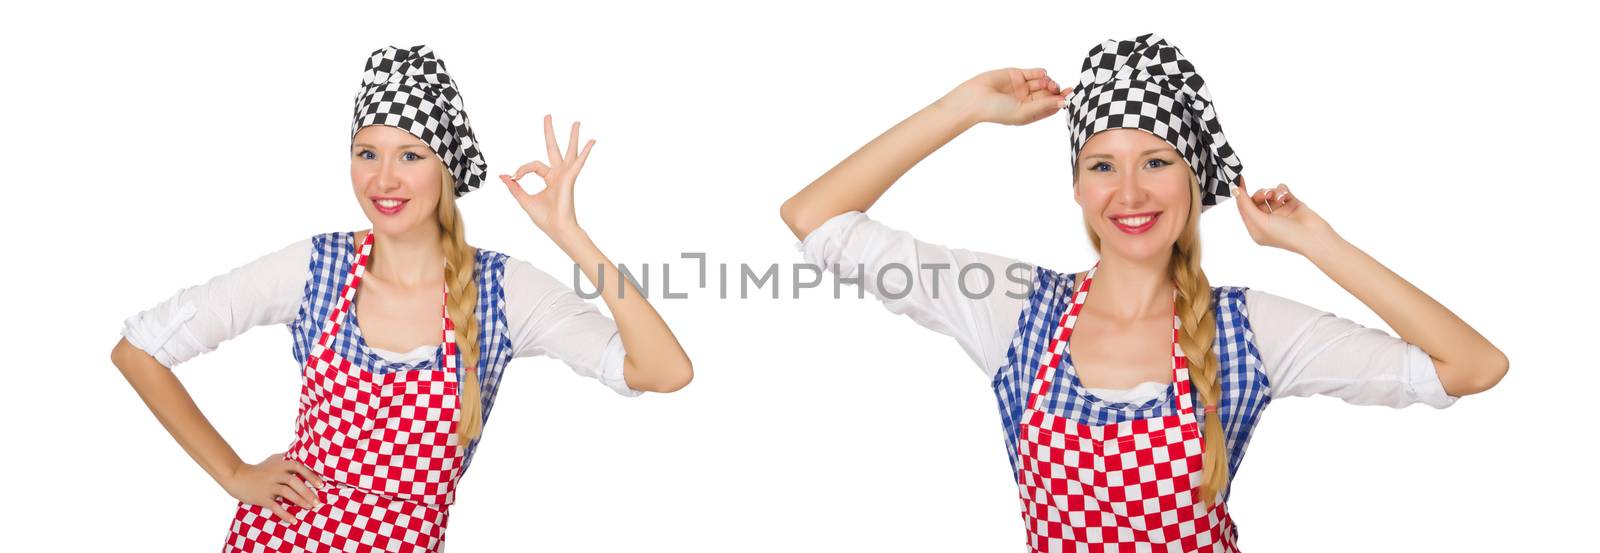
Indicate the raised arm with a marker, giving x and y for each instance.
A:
(654, 361)
(1466, 362)
(1009, 96)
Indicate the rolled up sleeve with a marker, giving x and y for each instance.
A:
(197, 319)
(546, 317)
(973, 297)
(1307, 351)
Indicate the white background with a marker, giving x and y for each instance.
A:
(151, 148)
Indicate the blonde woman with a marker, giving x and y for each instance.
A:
(1127, 408)
(402, 331)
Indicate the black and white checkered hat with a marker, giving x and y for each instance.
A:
(1147, 84)
(408, 88)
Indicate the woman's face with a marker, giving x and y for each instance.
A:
(397, 179)
(1134, 191)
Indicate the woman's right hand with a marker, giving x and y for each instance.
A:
(262, 483)
(1010, 96)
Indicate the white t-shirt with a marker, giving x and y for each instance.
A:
(1304, 351)
(543, 316)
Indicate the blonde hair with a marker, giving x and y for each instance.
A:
(460, 276)
(1197, 335)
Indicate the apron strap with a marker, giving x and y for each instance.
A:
(1050, 366)
(346, 303)
(452, 353)
(347, 293)
(1044, 377)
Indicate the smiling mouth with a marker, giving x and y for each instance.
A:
(389, 205)
(1135, 223)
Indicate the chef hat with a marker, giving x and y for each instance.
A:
(409, 89)
(1147, 84)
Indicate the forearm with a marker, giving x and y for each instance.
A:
(1466, 362)
(858, 181)
(655, 361)
(172, 405)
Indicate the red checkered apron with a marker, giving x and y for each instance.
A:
(1129, 486)
(384, 443)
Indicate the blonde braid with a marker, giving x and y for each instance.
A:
(462, 281)
(1197, 335)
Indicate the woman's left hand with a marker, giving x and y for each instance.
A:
(552, 208)
(1275, 217)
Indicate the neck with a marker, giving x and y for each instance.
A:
(1133, 289)
(412, 258)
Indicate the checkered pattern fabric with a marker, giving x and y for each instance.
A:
(1245, 391)
(1120, 487)
(350, 520)
(408, 88)
(332, 256)
(1147, 84)
(387, 439)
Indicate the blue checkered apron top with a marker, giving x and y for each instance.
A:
(1244, 383)
(331, 256)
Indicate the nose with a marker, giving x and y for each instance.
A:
(1130, 190)
(387, 179)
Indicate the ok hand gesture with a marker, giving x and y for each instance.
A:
(552, 208)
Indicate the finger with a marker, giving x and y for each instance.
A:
(300, 493)
(582, 157)
(513, 186)
(536, 167)
(1255, 198)
(293, 495)
(1055, 87)
(306, 473)
(1260, 196)
(1270, 197)
(1043, 106)
(1239, 201)
(1247, 209)
(550, 147)
(572, 142)
(1033, 73)
(281, 512)
(1267, 197)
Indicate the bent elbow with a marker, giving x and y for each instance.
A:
(1484, 375)
(661, 378)
(794, 215)
(1494, 371)
(677, 379)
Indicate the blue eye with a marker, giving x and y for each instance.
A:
(364, 154)
(1158, 163)
(413, 157)
(1101, 166)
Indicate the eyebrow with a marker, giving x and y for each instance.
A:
(365, 145)
(1141, 154)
